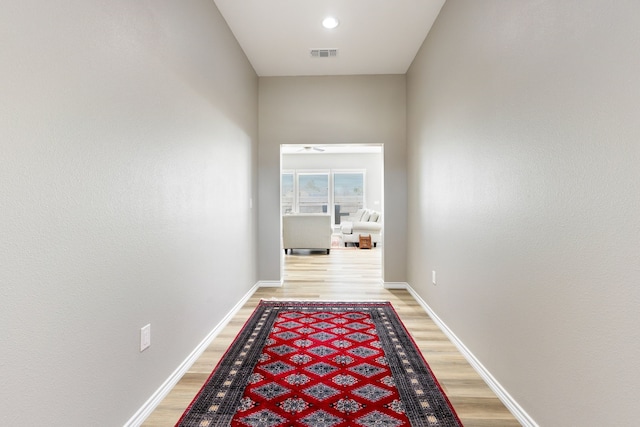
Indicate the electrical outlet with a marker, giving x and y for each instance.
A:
(433, 277)
(145, 337)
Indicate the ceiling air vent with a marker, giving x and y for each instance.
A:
(324, 53)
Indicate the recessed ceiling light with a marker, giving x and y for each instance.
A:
(330, 22)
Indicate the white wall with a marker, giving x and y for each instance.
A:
(371, 163)
(333, 110)
(524, 154)
(128, 156)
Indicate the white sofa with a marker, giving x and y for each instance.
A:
(306, 231)
(364, 222)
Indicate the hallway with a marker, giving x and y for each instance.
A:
(351, 275)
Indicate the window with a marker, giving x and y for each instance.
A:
(288, 193)
(348, 193)
(313, 192)
(338, 193)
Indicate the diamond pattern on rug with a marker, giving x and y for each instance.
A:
(357, 326)
(371, 393)
(321, 419)
(359, 336)
(322, 336)
(376, 418)
(297, 379)
(322, 365)
(293, 405)
(322, 351)
(276, 368)
(321, 392)
(323, 325)
(326, 373)
(355, 316)
(281, 350)
(367, 370)
(293, 315)
(345, 380)
(341, 359)
(287, 335)
(303, 343)
(290, 325)
(323, 316)
(342, 344)
(270, 391)
(300, 359)
(321, 369)
(264, 418)
(347, 406)
(363, 352)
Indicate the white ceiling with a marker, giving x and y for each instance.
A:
(374, 36)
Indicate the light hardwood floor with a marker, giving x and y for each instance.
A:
(351, 275)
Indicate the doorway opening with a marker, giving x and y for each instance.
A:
(342, 181)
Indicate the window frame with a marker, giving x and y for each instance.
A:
(310, 172)
(363, 202)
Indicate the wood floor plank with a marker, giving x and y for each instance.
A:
(351, 275)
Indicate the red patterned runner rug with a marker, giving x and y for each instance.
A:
(321, 364)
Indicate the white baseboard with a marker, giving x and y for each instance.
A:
(138, 418)
(395, 285)
(270, 284)
(511, 404)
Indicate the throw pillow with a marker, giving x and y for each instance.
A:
(358, 215)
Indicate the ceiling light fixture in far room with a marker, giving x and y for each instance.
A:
(330, 22)
(310, 149)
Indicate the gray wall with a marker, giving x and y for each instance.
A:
(524, 184)
(128, 156)
(330, 110)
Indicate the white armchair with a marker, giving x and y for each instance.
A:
(306, 231)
